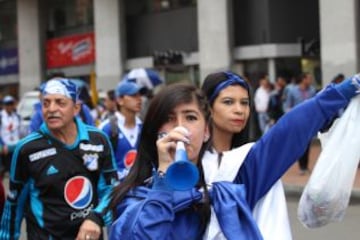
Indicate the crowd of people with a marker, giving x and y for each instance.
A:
(78, 173)
(273, 100)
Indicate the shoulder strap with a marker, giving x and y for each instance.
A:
(18, 116)
(114, 132)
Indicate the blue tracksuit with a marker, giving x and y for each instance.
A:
(58, 185)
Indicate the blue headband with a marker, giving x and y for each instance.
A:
(231, 79)
(61, 86)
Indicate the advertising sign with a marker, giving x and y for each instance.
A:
(9, 62)
(70, 50)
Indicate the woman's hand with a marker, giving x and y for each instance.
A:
(350, 87)
(166, 145)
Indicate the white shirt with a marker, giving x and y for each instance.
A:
(10, 127)
(131, 134)
(270, 212)
(261, 100)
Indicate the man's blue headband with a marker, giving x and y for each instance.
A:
(61, 86)
(231, 79)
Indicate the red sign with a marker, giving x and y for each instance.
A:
(71, 50)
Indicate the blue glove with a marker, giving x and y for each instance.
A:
(349, 87)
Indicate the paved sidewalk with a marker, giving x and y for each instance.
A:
(294, 183)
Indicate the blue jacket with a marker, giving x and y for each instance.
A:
(37, 118)
(155, 212)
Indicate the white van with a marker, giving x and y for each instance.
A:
(25, 109)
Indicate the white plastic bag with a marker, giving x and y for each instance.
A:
(327, 193)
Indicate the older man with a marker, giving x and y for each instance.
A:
(63, 173)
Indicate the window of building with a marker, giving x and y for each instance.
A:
(163, 5)
(66, 14)
(142, 7)
(7, 21)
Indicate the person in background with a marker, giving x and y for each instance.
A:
(2, 189)
(124, 127)
(275, 107)
(146, 206)
(110, 106)
(338, 78)
(88, 111)
(37, 118)
(61, 174)
(230, 102)
(10, 122)
(287, 89)
(261, 100)
(146, 96)
(303, 91)
(2, 196)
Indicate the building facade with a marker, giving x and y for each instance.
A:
(183, 39)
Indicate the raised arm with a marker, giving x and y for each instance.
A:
(276, 151)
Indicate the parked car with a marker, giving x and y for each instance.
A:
(25, 109)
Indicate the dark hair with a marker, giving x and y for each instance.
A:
(147, 157)
(302, 76)
(338, 78)
(56, 75)
(209, 85)
(85, 97)
(111, 94)
(112, 97)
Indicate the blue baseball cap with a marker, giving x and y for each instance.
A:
(8, 99)
(61, 86)
(127, 88)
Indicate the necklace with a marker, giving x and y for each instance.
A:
(131, 133)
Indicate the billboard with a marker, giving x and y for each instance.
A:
(9, 62)
(71, 50)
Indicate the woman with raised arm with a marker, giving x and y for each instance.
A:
(230, 103)
(145, 206)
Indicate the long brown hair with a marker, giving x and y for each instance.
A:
(147, 157)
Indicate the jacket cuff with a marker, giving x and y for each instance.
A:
(95, 217)
(160, 182)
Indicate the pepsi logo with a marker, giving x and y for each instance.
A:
(78, 192)
(129, 158)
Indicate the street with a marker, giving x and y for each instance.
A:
(347, 229)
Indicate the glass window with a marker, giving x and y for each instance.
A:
(7, 20)
(65, 14)
(161, 5)
(142, 7)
